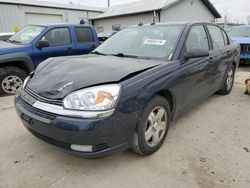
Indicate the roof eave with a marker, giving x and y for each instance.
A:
(47, 6)
(127, 14)
(212, 9)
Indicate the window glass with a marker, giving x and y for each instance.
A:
(84, 34)
(27, 34)
(243, 31)
(157, 42)
(197, 39)
(217, 37)
(58, 37)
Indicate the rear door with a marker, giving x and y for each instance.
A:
(60, 44)
(85, 40)
(219, 56)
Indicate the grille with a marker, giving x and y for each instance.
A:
(36, 111)
(245, 49)
(50, 140)
(42, 99)
(96, 148)
(100, 147)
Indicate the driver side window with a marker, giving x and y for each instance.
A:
(58, 37)
(197, 39)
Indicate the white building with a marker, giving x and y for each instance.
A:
(15, 14)
(145, 11)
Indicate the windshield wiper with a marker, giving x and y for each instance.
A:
(98, 53)
(129, 56)
(124, 55)
(14, 41)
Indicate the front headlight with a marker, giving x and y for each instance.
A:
(93, 99)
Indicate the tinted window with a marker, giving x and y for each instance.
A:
(84, 34)
(217, 37)
(58, 37)
(197, 39)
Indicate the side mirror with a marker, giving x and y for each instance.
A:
(196, 53)
(42, 44)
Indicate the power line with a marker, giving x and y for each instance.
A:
(215, 2)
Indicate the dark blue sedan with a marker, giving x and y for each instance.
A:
(126, 93)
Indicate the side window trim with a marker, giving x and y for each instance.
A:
(195, 25)
(210, 37)
(53, 29)
(225, 39)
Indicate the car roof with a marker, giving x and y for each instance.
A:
(241, 26)
(173, 23)
(59, 24)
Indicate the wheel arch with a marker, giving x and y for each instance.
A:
(20, 60)
(170, 97)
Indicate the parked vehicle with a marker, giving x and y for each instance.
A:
(127, 92)
(5, 36)
(21, 54)
(241, 35)
(105, 35)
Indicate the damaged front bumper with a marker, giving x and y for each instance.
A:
(86, 137)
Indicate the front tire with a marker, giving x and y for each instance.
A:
(11, 79)
(229, 81)
(152, 127)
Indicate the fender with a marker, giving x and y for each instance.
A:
(22, 57)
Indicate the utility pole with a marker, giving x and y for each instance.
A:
(108, 3)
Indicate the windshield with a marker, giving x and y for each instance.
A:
(27, 34)
(154, 42)
(239, 32)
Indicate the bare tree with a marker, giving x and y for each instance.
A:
(248, 19)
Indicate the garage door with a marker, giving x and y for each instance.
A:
(35, 18)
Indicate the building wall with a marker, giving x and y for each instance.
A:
(188, 10)
(13, 16)
(123, 21)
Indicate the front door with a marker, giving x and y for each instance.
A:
(193, 81)
(60, 44)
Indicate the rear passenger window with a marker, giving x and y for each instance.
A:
(217, 37)
(197, 39)
(84, 34)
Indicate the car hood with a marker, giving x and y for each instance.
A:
(57, 77)
(241, 40)
(7, 45)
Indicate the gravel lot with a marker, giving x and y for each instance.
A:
(207, 147)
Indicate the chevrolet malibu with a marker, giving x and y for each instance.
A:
(126, 93)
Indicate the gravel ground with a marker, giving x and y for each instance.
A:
(207, 147)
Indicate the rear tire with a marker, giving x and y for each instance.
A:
(152, 127)
(229, 81)
(11, 79)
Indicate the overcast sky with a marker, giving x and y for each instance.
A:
(237, 10)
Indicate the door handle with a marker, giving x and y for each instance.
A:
(93, 47)
(70, 49)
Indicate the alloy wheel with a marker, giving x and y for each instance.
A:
(230, 79)
(156, 126)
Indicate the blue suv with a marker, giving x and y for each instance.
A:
(241, 35)
(21, 54)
